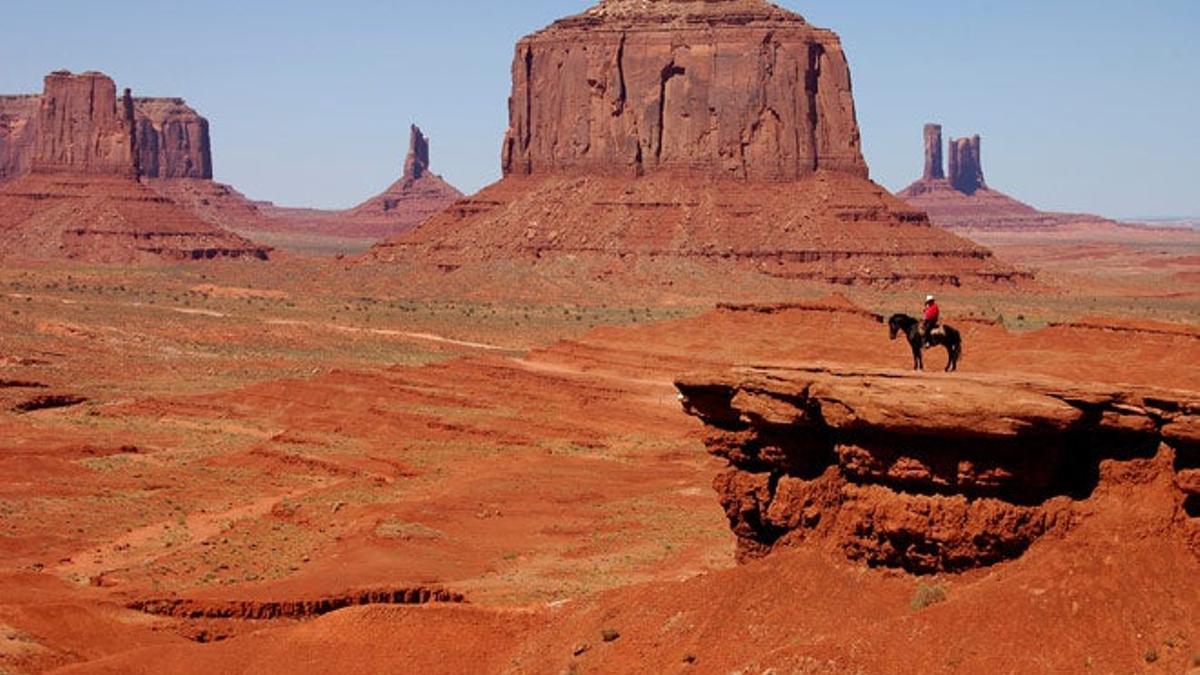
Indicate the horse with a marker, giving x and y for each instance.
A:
(950, 338)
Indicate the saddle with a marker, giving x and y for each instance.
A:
(938, 331)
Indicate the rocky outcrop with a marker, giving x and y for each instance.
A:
(926, 473)
(963, 200)
(934, 167)
(417, 195)
(735, 88)
(83, 127)
(89, 132)
(264, 610)
(172, 139)
(106, 219)
(18, 133)
(966, 167)
(81, 199)
(416, 163)
(714, 133)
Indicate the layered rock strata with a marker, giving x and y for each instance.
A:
(720, 131)
(926, 473)
(961, 198)
(107, 219)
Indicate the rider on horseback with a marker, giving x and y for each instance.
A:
(931, 317)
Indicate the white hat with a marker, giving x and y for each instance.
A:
(929, 298)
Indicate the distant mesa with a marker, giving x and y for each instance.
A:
(961, 198)
(718, 132)
(74, 192)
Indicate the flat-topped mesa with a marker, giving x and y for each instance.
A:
(934, 167)
(172, 139)
(727, 88)
(84, 127)
(416, 163)
(966, 167)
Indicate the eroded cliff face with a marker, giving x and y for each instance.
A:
(18, 132)
(932, 474)
(172, 139)
(729, 88)
(84, 127)
(88, 131)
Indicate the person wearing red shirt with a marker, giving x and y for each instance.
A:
(932, 315)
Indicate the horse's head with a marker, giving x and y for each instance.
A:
(893, 326)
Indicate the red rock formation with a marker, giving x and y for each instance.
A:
(106, 219)
(920, 472)
(417, 160)
(406, 203)
(734, 88)
(84, 128)
(966, 167)
(172, 139)
(963, 200)
(18, 132)
(934, 168)
(82, 199)
(720, 131)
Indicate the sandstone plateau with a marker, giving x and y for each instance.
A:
(82, 199)
(721, 132)
(962, 200)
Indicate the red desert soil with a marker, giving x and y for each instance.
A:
(546, 486)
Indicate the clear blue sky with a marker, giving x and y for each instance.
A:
(1089, 105)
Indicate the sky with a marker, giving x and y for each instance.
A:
(1083, 105)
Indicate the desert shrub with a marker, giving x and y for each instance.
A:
(927, 595)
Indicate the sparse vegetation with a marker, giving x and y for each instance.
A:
(927, 595)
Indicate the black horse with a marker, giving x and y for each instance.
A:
(911, 328)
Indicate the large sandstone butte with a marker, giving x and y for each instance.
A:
(926, 473)
(82, 199)
(720, 132)
(961, 198)
(169, 138)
